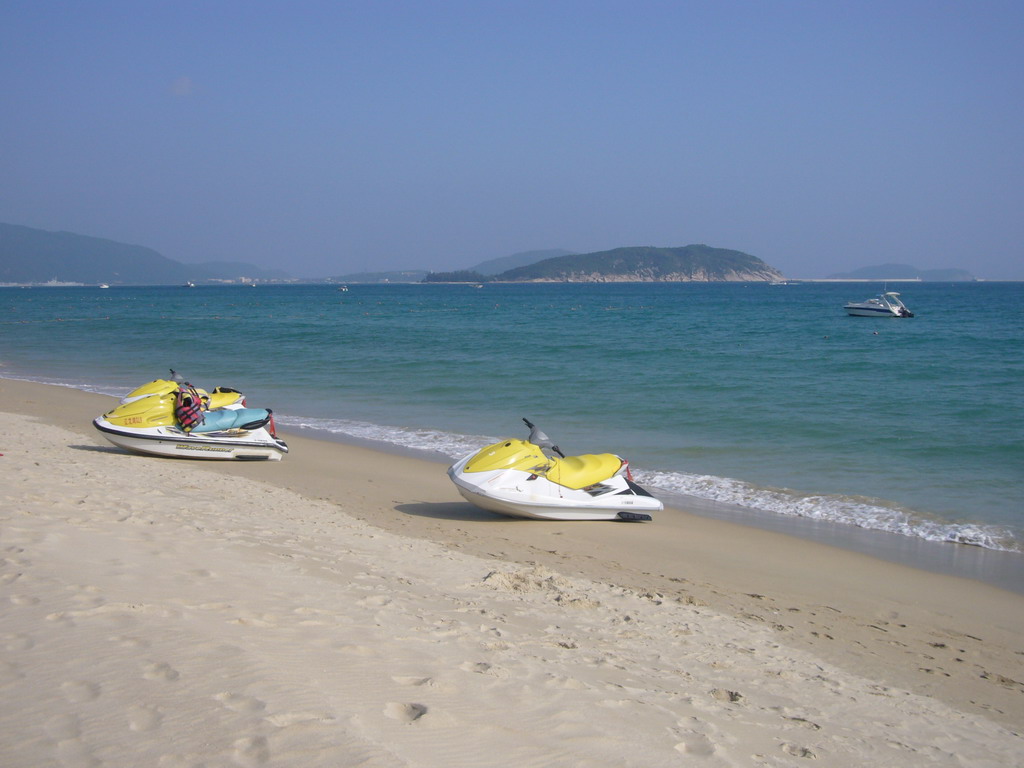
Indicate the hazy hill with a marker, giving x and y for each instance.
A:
(525, 258)
(699, 263)
(903, 271)
(36, 256)
(29, 255)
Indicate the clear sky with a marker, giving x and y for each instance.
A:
(332, 137)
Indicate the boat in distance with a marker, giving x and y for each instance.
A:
(533, 479)
(887, 304)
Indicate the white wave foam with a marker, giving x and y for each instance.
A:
(873, 514)
(98, 389)
(435, 441)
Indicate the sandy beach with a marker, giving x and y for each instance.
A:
(344, 607)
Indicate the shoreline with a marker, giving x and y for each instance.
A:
(1000, 568)
(952, 639)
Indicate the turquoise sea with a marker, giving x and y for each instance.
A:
(767, 397)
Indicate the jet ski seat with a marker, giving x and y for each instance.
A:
(580, 471)
(233, 418)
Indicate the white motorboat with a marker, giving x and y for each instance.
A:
(517, 478)
(887, 304)
(148, 421)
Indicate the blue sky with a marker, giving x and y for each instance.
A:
(326, 138)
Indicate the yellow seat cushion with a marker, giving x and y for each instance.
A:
(580, 471)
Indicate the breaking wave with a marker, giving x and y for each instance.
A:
(863, 512)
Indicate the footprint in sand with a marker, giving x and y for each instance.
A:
(128, 641)
(78, 691)
(377, 601)
(87, 601)
(803, 723)
(238, 702)
(251, 752)
(797, 751)
(9, 672)
(160, 671)
(288, 719)
(72, 753)
(17, 642)
(144, 718)
(404, 712)
(1003, 680)
(84, 592)
(410, 680)
(733, 697)
(694, 739)
(564, 682)
(61, 727)
(696, 744)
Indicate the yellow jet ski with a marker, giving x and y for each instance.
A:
(532, 478)
(169, 417)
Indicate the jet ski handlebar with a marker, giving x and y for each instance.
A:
(541, 440)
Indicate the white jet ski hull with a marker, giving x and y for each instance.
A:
(231, 445)
(510, 492)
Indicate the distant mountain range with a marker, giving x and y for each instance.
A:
(691, 263)
(904, 272)
(35, 256)
(30, 255)
(489, 267)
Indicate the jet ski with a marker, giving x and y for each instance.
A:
(532, 478)
(221, 397)
(169, 417)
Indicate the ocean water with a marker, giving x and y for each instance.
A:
(764, 396)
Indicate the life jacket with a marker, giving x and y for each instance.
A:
(188, 407)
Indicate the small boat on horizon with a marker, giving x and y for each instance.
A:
(887, 304)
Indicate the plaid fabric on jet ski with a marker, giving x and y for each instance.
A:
(188, 407)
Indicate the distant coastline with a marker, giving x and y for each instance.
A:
(36, 258)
